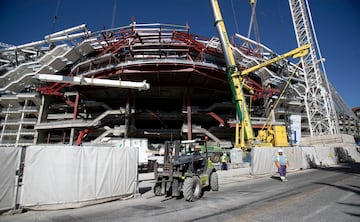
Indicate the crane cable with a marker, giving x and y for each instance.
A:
(278, 100)
(114, 14)
(253, 22)
(234, 14)
(56, 15)
(252, 5)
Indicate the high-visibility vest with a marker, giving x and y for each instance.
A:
(223, 158)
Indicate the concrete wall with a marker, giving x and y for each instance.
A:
(302, 157)
(341, 140)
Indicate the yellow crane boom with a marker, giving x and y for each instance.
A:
(296, 53)
(235, 79)
(236, 76)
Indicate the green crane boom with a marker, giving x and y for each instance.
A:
(236, 76)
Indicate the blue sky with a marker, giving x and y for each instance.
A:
(337, 23)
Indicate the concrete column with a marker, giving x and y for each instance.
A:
(43, 112)
(18, 137)
(72, 132)
(71, 140)
(189, 121)
(127, 114)
(5, 121)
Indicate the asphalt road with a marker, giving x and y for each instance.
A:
(329, 194)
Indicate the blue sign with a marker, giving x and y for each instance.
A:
(295, 137)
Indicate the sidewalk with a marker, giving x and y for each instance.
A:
(234, 175)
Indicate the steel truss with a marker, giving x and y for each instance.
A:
(318, 97)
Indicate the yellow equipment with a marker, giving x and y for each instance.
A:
(236, 77)
(296, 53)
(273, 136)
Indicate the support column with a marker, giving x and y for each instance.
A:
(127, 114)
(76, 105)
(71, 140)
(43, 112)
(18, 136)
(72, 132)
(189, 122)
(5, 122)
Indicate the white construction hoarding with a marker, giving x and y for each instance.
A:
(57, 177)
(9, 159)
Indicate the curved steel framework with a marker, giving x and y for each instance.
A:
(189, 92)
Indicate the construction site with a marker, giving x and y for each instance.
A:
(158, 82)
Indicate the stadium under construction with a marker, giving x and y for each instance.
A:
(160, 82)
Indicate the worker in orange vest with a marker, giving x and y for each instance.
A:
(82, 135)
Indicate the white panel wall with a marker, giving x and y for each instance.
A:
(262, 158)
(58, 177)
(9, 160)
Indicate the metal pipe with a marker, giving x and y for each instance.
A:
(67, 31)
(48, 40)
(42, 42)
(67, 37)
(245, 39)
(93, 81)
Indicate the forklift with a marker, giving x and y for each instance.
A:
(187, 170)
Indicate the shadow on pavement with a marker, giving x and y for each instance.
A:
(143, 190)
(345, 188)
(352, 168)
(275, 177)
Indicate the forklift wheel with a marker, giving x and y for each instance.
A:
(214, 181)
(192, 188)
(157, 190)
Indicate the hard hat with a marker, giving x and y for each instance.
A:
(280, 151)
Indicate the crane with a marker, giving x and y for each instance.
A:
(236, 78)
(319, 101)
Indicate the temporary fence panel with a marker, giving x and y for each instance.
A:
(294, 156)
(326, 156)
(236, 155)
(309, 157)
(58, 177)
(354, 153)
(262, 160)
(9, 160)
(347, 154)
